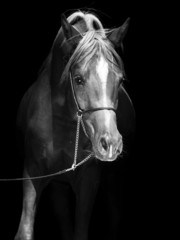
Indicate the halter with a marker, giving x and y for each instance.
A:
(80, 113)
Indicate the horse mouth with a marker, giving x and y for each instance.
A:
(104, 148)
(105, 157)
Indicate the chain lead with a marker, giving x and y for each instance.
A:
(79, 117)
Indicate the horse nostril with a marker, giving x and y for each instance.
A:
(104, 143)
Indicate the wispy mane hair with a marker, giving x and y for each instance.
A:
(93, 43)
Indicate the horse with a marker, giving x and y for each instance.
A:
(76, 113)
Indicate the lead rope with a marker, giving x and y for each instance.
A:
(74, 165)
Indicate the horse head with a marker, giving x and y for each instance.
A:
(96, 73)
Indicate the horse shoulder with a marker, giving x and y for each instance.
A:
(35, 109)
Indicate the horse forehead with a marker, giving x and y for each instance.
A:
(102, 69)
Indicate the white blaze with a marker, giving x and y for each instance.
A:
(102, 71)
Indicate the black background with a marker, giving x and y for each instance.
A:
(27, 33)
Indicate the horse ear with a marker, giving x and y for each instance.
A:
(118, 34)
(69, 31)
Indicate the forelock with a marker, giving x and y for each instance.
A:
(93, 44)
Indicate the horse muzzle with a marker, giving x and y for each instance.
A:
(108, 148)
(106, 140)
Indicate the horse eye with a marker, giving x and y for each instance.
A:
(79, 80)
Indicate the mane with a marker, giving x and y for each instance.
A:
(87, 20)
(93, 43)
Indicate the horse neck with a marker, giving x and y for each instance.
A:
(57, 66)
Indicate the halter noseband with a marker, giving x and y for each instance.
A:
(81, 111)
